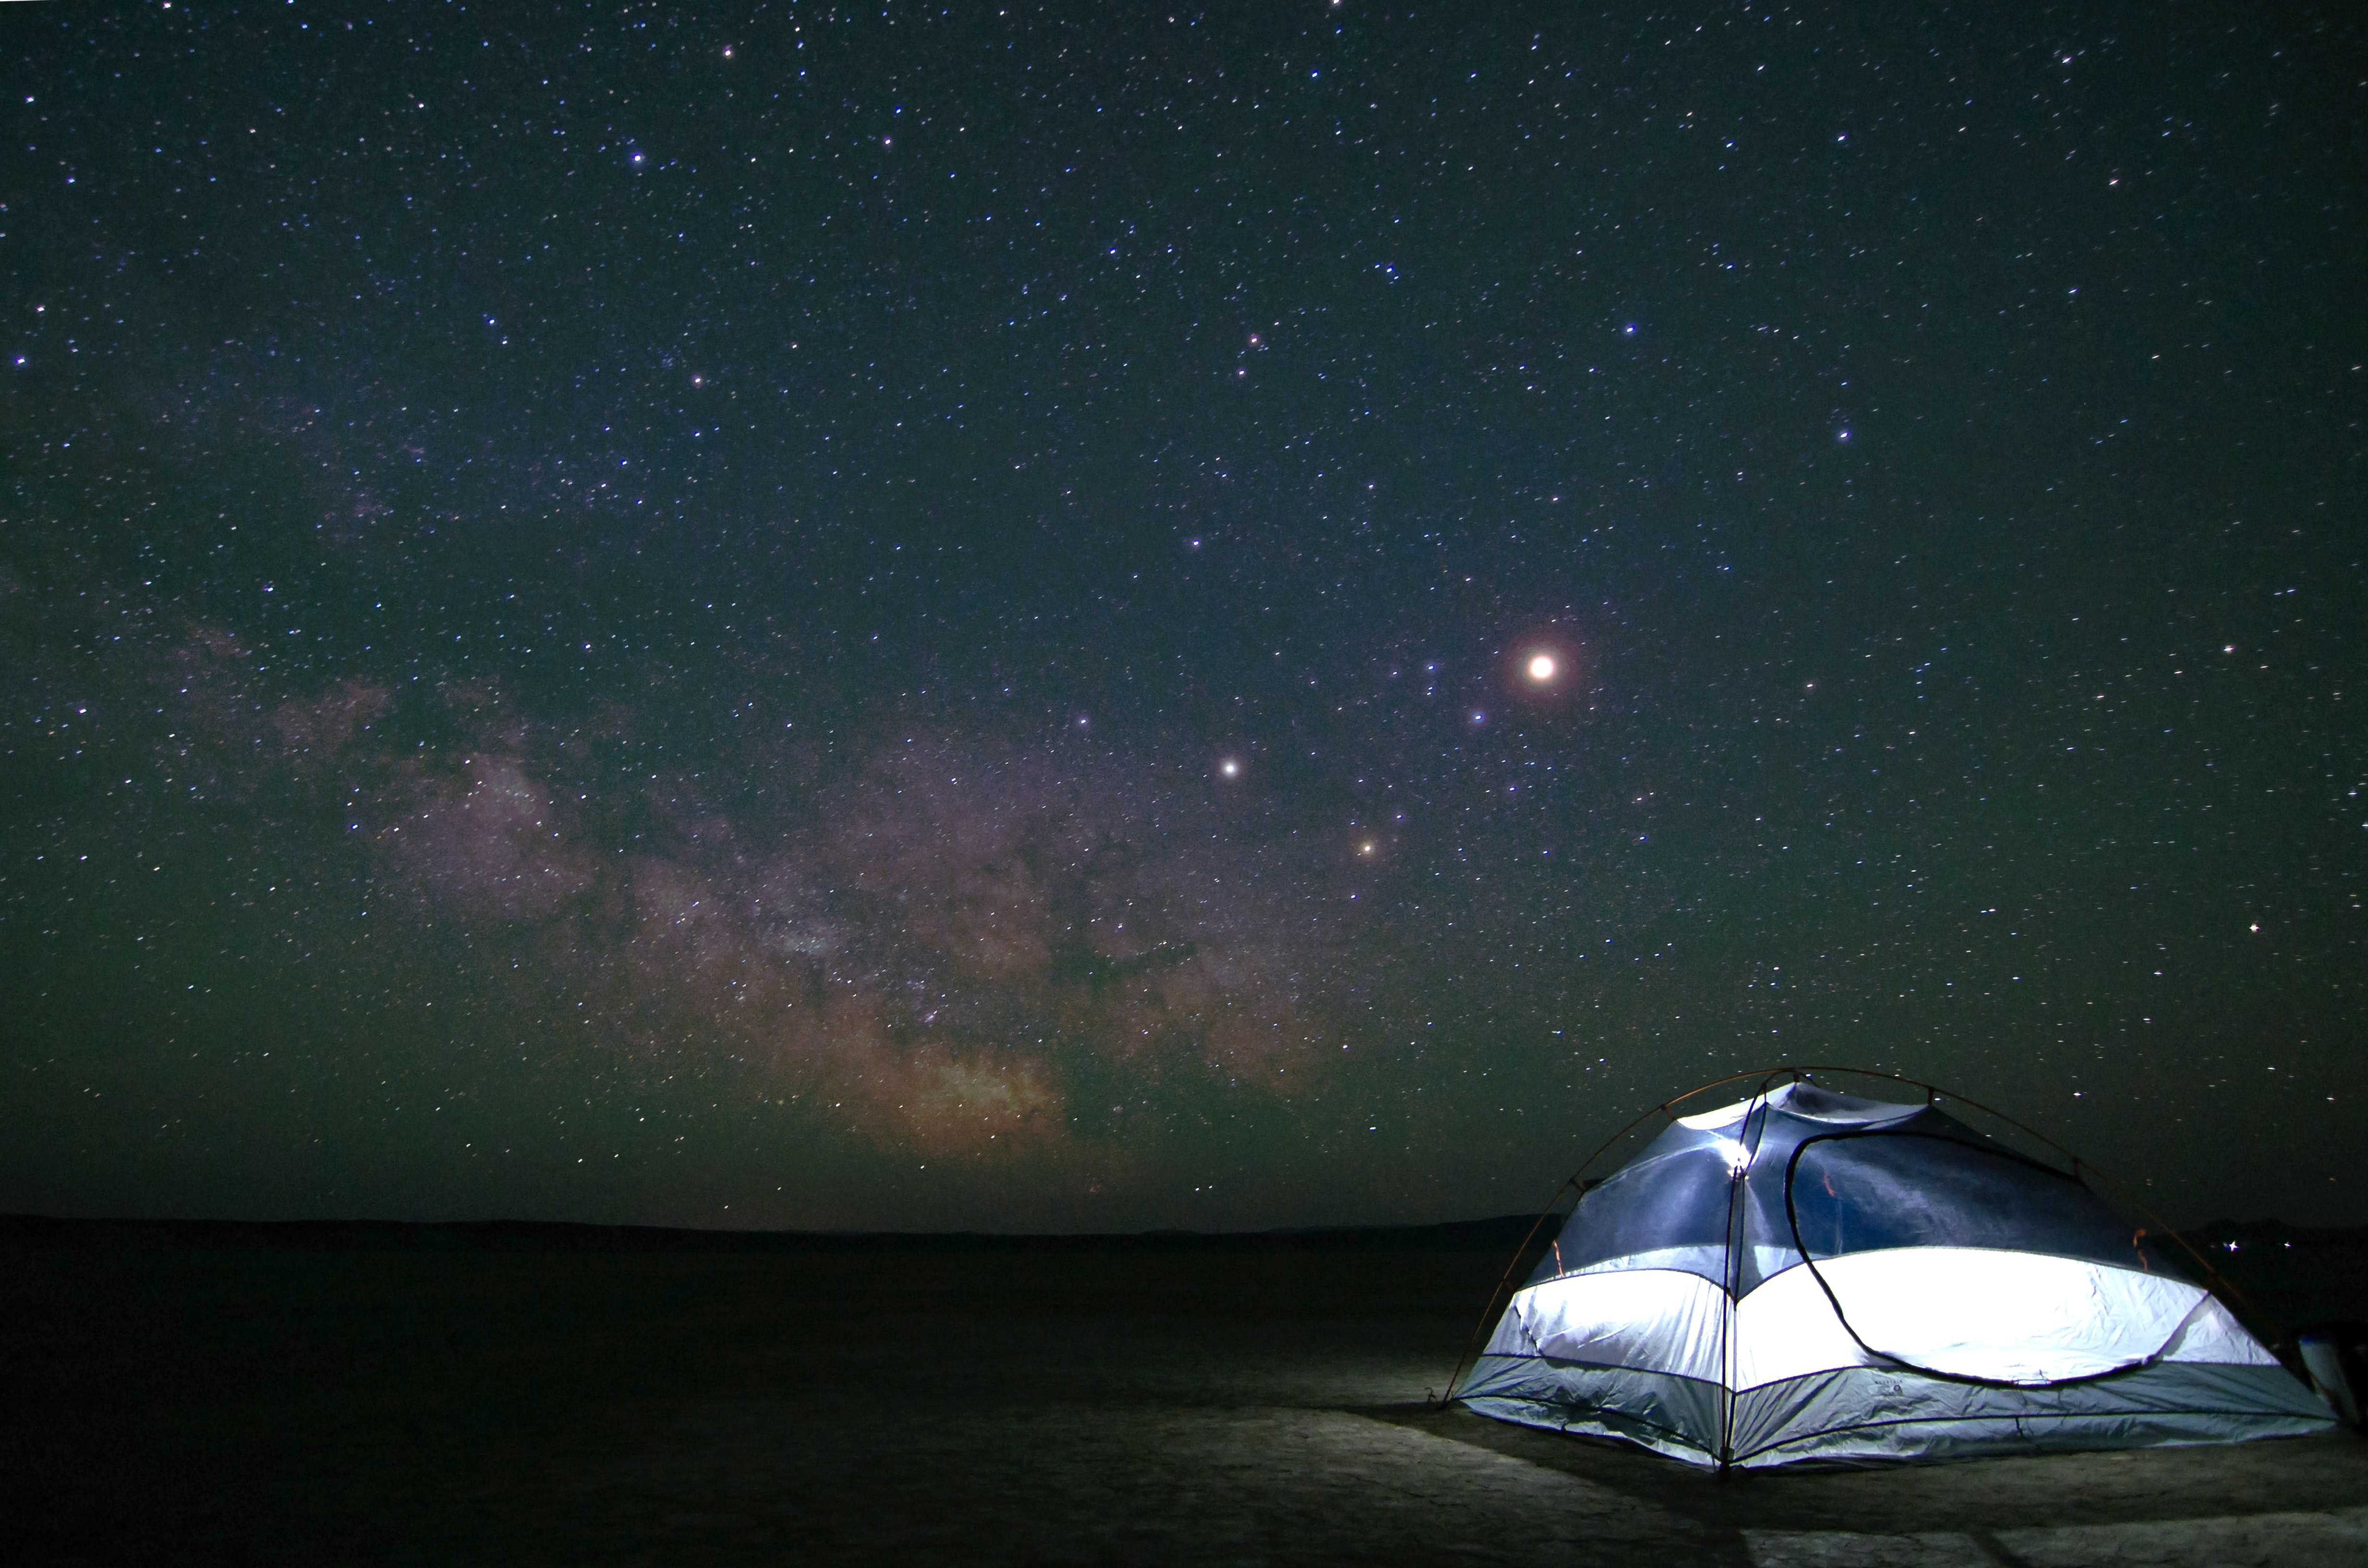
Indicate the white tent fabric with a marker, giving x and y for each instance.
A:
(1808, 1275)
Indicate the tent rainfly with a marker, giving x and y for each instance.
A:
(1811, 1275)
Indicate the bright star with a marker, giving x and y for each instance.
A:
(1541, 667)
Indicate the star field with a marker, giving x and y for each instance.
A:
(1066, 617)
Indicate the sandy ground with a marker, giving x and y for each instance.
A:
(1093, 1403)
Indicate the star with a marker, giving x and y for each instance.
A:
(838, 741)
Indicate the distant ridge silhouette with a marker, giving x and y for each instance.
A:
(1502, 1232)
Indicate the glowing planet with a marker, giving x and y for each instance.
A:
(1541, 667)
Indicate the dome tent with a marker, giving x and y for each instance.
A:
(1807, 1275)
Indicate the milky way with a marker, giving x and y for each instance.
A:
(1064, 619)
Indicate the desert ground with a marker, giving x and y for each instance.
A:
(548, 1394)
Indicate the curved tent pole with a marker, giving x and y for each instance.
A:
(2213, 1279)
(1488, 1311)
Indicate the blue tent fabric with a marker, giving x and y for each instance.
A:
(1813, 1275)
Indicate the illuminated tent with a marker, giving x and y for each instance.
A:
(1811, 1275)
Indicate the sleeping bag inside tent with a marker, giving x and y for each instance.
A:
(1811, 1275)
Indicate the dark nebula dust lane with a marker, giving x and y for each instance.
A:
(1050, 618)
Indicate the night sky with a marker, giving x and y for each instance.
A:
(911, 618)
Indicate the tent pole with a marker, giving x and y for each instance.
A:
(1733, 1282)
(1488, 1313)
